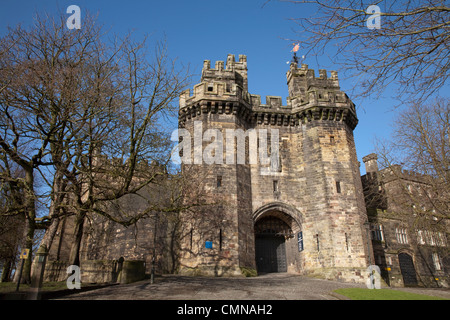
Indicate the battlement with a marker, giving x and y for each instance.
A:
(230, 66)
(307, 76)
(224, 89)
(272, 102)
(392, 172)
(395, 172)
(302, 81)
(234, 72)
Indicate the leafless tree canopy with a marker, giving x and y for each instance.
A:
(421, 147)
(411, 48)
(82, 111)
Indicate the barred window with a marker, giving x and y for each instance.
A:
(401, 235)
(431, 238)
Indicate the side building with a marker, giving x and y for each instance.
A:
(409, 237)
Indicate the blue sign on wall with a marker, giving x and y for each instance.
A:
(208, 244)
(300, 241)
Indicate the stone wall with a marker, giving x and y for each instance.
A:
(98, 271)
(105, 240)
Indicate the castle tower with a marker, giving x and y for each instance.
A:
(220, 240)
(334, 209)
(290, 193)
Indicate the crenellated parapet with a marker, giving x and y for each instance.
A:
(224, 90)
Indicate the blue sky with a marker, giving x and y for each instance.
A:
(210, 29)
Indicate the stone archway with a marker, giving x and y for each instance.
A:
(284, 211)
(275, 226)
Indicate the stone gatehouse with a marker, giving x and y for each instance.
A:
(285, 180)
(303, 210)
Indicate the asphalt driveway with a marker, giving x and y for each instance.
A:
(274, 286)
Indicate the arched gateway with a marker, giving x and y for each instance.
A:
(276, 227)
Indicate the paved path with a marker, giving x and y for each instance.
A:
(274, 286)
(280, 286)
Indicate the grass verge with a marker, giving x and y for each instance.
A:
(383, 294)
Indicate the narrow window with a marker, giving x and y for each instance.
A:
(219, 181)
(380, 232)
(436, 261)
(346, 241)
(379, 260)
(420, 237)
(377, 232)
(332, 139)
(338, 186)
(220, 240)
(275, 185)
(317, 239)
(191, 238)
(246, 243)
(389, 261)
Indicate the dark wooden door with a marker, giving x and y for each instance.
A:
(407, 269)
(270, 253)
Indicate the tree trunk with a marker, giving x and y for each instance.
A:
(50, 233)
(27, 244)
(74, 258)
(54, 214)
(30, 225)
(6, 271)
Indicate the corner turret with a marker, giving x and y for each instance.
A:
(321, 96)
(234, 72)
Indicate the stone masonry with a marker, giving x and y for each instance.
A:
(311, 188)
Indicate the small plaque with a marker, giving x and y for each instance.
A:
(24, 254)
(300, 241)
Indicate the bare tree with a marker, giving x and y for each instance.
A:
(416, 166)
(70, 100)
(46, 72)
(116, 143)
(408, 44)
(11, 223)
